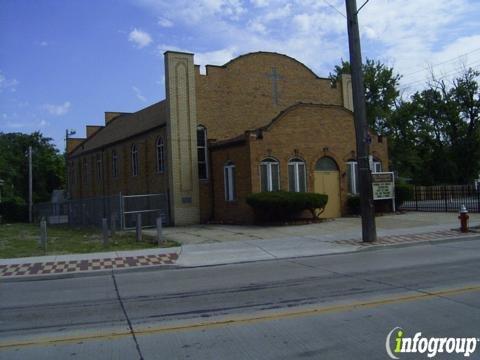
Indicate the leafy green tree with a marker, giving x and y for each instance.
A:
(381, 91)
(48, 167)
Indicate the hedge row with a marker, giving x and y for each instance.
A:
(283, 205)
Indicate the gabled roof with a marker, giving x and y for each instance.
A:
(243, 137)
(297, 105)
(125, 126)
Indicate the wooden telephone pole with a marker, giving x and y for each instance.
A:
(369, 231)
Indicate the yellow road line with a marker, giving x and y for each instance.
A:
(244, 319)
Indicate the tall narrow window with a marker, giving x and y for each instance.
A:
(229, 181)
(160, 155)
(85, 171)
(72, 178)
(99, 167)
(352, 177)
(296, 175)
(269, 175)
(377, 166)
(202, 153)
(134, 160)
(114, 164)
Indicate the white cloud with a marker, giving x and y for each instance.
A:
(403, 34)
(7, 84)
(58, 110)
(43, 123)
(43, 43)
(139, 38)
(163, 22)
(138, 94)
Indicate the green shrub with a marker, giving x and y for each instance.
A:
(353, 204)
(11, 211)
(403, 192)
(283, 205)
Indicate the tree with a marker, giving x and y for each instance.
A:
(440, 129)
(381, 92)
(48, 167)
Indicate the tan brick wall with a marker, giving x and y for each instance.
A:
(147, 181)
(182, 138)
(238, 97)
(309, 132)
(237, 211)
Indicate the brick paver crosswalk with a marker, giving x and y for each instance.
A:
(63, 267)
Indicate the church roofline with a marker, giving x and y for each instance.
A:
(177, 52)
(271, 53)
(284, 112)
(73, 153)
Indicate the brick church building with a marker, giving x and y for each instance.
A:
(261, 122)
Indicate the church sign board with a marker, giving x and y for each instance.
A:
(382, 184)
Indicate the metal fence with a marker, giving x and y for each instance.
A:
(448, 198)
(150, 206)
(120, 210)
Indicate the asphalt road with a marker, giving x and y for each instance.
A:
(325, 307)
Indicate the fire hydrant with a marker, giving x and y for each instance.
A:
(463, 219)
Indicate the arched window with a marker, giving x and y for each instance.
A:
(202, 152)
(352, 177)
(229, 181)
(134, 160)
(160, 155)
(269, 175)
(296, 175)
(114, 164)
(326, 164)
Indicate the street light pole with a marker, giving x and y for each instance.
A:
(369, 232)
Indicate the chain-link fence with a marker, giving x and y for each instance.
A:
(120, 211)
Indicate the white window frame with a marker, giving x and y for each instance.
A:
(354, 171)
(114, 164)
(229, 181)
(377, 166)
(134, 158)
(268, 163)
(85, 171)
(204, 148)
(98, 162)
(296, 172)
(160, 150)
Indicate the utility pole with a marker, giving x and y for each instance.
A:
(369, 232)
(30, 185)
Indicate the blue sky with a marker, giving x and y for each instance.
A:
(64, 62)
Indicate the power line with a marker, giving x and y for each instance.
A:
(473, 65)
(443, 62)
(334, 8)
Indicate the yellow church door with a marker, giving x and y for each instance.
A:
(327, 181)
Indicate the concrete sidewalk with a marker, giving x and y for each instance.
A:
(222, 244)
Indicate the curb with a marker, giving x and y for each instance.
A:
(81, 274)
(92, 273)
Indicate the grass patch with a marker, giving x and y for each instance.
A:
(21, 240)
